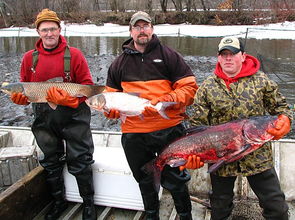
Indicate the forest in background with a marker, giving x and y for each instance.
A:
(212, 12)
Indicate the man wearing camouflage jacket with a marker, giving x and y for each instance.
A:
(239, 90)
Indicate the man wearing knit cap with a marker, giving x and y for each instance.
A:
(160, 75)
(69, 122)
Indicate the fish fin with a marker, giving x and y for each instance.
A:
(56, 79)
(97, 89)
(52, 105)
(141, 116)
(196, 129)
(79, 95)
(161, 106)
(134, 93)
(123, 118)
(216, 165)
(177, 162)
(150, 169)
(240, 154)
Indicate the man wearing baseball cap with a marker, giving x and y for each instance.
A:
(231, 43)
(140, 15)
(69, 122)
(237, 90)
(159, 74)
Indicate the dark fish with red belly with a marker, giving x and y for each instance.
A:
(220, 144)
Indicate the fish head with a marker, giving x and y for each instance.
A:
(10, 88)
(96, 102)
(255, 129)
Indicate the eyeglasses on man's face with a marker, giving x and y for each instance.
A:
(144, 27)
(47, 30)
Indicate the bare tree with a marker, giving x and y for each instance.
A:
(69, 6)
(164, 5)
(150, 6)
(177, 4)
(188, 5)
(46, 4)
(96, 6)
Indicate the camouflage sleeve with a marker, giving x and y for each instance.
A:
(200, 108)
(274, 102)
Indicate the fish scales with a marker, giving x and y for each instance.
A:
(37, 91)
(128, 104)
(216, 145)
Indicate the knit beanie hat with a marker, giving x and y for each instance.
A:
(46, 15)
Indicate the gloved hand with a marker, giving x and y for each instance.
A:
(150, 112)
(61, 97)
(113, 114)
(19, 98)
(193, 162)
(282, 127)
(164, 98)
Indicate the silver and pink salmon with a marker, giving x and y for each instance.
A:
(37, 91)
(128, 104)
(217, 145)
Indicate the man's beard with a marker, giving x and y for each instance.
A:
(142, 41)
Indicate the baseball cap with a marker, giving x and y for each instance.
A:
(46, 15)
(140, 15)
(230, 43)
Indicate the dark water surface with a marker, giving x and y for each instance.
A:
(277, 56)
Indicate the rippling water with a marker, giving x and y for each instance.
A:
(200, 54)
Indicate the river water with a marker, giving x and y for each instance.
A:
(277, 56)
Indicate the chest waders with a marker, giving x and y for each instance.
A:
(53, 128)
(141, 148)
(67, 63)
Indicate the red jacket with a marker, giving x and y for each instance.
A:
(250, 66)
(51, 64)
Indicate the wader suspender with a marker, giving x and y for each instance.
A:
(67, 63)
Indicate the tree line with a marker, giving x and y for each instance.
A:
(23, 12)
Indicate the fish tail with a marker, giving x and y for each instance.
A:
(151, 169)
(162, 108)
(215, 166)
(96, 89)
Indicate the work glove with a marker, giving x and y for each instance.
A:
(150, 112)
(113, 114)
(61, 97)
(281, 128)
(19, 98)
(164, 98)
(193, 162)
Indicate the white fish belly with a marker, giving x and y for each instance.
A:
(127, 104)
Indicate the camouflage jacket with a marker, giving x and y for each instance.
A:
(250, 96)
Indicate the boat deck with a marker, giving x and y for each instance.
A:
(29, 195)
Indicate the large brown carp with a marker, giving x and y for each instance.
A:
(37, 91)
(218, 145)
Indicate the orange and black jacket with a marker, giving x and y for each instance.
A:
(158, 71)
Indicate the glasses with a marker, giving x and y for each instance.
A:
(138, 28)
(46, 30)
